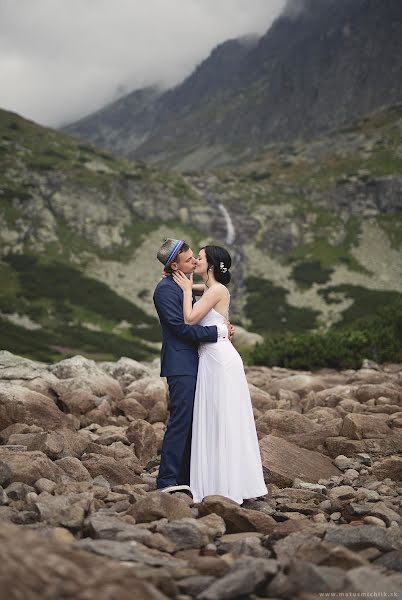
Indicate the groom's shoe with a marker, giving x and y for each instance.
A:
(171, 489)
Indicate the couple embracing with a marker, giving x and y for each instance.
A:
(210, 445)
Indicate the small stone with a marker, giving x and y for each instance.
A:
(45, 485)
(319, 518)
(343, 492)
(370, 520)
(343, 462)
(351, 474)
(305, 485)
(335, 516)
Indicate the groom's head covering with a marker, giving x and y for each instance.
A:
(168, 251)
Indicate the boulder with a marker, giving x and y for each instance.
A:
(125, 370)
(81, 374)
(57, 444)
(260, 399)
(261, 377)
(28, 467)
(284, 422)
(65, 511)
(142, 435)
(284, 462)
(111, 469)
(360, 537)
(389, 468)
(376, 448)
(37, 568)
(158, 413)
(242, 580)
(369, 391)
(159, 505)
(20, 405)
(148, 391)
(74, 468)
(185, 533)
(301, 384)
(358, 426)
(237, 519)
(132, 408)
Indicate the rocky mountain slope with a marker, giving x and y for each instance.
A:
(323, 63)
(79, 454)
(314, 230)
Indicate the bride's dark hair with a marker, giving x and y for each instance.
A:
(220, 260)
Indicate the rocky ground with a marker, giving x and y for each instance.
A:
(80, 517)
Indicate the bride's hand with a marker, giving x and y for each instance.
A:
(182, 281)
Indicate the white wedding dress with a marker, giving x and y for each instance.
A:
(225, 456)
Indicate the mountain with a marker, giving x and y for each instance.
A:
(322, 64)
(314, 230)
(108, 127)
(126, 124)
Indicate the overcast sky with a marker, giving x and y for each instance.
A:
(63, 59)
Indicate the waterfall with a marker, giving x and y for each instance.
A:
(230, 230)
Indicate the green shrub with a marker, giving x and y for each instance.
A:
(377, 338)
(269, 313)
(308, 273)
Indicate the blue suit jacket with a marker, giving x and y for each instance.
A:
(179, 355)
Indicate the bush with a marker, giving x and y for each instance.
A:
(377, 338)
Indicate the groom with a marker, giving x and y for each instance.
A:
(179, 363)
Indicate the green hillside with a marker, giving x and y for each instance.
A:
(314, 230)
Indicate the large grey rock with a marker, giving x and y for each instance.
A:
(142, 435)
(113, 470)
(302, 384)
(193, 586)
(39, 569)
(148, 391)
(368, 391)
(281, 423)
(358, 426)
(58, 444)
(370, 580)
(237, 519)
(20, 405)
(376, 509)
(185, 533)
(389, 467)
(315, 579)
(74, 468)
(13, 367)
(125, 370)
(106, 527)
(65, 511)
(364, 536)
(390, 560)
(159, 505)
(244, 576)
(376, 448)
(131, 551)
(284, 462)
(79, 374)
(28, 467)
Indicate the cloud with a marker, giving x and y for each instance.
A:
(60, 60)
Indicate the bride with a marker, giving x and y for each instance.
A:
(225, 456)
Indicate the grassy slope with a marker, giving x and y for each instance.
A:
(69, 312)
(80, 314)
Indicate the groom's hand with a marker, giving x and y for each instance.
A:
(231, 330)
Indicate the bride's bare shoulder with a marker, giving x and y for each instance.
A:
(219, 289)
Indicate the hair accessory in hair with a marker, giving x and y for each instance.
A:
(167, 252)
(222, 267)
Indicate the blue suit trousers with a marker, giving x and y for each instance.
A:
(175, 457)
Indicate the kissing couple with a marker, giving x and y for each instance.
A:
(210, 445)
